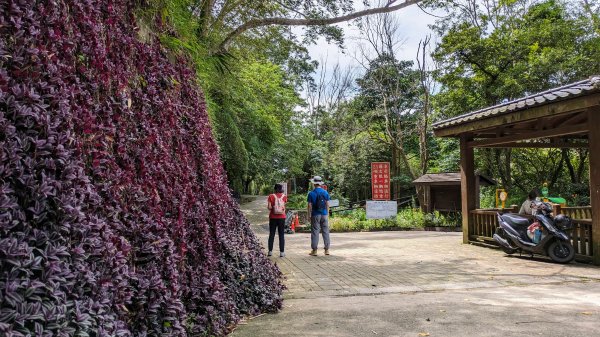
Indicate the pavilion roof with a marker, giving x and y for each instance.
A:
(581, 88)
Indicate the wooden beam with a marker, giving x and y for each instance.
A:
(594, 153)
(440, 183)
(541, 123)
(575, 118)
(467, 186)
(515, 129)
(557, 132)
(507, 132)
(512, 131)
(500, 131)
(551, 145)
(567, 106)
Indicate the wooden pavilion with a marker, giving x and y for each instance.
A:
(564, 117)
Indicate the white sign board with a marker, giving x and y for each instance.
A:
(334, 203)
(381, 209)
(284, 184)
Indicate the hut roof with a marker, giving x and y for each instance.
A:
(448, 178)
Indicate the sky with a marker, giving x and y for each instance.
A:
(413, 28)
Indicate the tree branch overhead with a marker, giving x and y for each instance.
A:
(255, 23)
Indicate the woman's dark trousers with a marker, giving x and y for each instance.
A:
(276, 224)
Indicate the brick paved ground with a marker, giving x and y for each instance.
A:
(408, 263)
(387, 262)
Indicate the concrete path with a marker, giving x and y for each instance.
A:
(423, 284)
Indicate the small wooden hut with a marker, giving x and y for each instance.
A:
(441, 191)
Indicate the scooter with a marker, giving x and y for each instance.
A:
(554, 242)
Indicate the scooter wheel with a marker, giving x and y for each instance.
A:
(561, 252)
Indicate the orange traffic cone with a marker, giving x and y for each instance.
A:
(294, 223)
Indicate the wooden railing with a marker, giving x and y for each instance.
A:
(484, 224)
(583, 212)
(581, 235)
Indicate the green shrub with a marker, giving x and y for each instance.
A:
(342, 224)
(266, 190)
(297, 201)
(409, 218)
(359, 214)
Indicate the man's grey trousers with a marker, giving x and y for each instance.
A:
(319, 223)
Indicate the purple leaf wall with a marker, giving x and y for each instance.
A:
(115, 217)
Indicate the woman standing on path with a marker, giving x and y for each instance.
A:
(276, 205)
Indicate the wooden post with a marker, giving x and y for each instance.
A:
(556, 209)
(477, 201)
(427, 198)
(467, 186)
(594, 143)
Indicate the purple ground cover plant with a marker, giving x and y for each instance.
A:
(115, 216)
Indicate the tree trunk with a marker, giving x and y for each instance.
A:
(205, 16)
(507, 168)
(423, 123)
(502, 162)
(567, 160)
(556, 172)
(246, 189)
(583, 156)
(420, 196)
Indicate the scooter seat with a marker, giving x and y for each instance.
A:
(515, 220)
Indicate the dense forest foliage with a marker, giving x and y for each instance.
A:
(278, 114)
(115, 216)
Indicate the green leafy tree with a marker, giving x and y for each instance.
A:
(522, 47)
(496, 51)
(264, 103)
(233, 150)
(250, 65)
(350, 164)
(389, 95)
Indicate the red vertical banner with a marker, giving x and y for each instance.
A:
(380, 180)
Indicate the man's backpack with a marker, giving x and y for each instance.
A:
(321, 202)
(278, 205)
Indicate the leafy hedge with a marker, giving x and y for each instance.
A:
(407, 218)
(115, 217)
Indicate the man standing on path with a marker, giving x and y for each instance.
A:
(318, 208)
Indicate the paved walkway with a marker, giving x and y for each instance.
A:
(378, 283)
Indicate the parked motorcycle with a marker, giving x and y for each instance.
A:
(552, 240)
